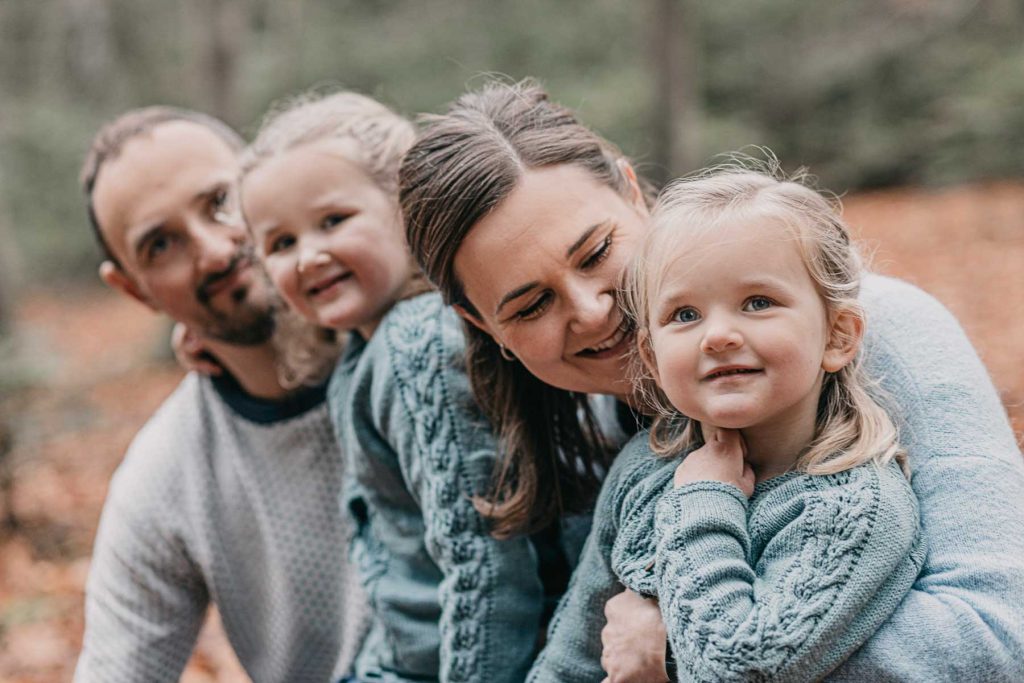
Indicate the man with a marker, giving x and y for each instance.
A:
(230, 492)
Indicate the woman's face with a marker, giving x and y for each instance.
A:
(543, 270)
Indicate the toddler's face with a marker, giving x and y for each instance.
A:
(737, 327)
(330, 238)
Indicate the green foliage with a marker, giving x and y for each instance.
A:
(865, 92)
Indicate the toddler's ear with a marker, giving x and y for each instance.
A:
(643, 345)
(845, 335)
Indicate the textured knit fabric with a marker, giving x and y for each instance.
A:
(449, 602)
(962, 619)
(209, 505)
(781, 587)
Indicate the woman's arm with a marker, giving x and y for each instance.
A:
(573, 650)
(834, 555)
(963, 619)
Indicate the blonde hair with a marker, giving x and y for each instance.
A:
(852, 428)
(375, 139)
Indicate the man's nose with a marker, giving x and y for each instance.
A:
(215, 249)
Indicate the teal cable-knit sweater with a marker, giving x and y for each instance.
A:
(448, 601)
(962, 618)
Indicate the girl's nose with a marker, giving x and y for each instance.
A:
(311, 257)
(720, 336)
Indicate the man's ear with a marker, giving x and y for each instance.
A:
(845, 335)
(117, 279)
(636, 193)
(646, 350)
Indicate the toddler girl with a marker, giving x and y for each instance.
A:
(449, 602)
(789, 533)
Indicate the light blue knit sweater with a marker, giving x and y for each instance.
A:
(962, 620)
(449, 602)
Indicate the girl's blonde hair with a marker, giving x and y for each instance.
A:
(852, 428)
(375, 139)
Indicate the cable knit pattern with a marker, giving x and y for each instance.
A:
(786, 590)
(961, 621)
(450, 602)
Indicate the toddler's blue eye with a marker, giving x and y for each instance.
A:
(758, 303)
(687, 314)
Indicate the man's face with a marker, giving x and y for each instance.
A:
(168, 210)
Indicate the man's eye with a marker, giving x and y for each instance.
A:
(333, 219)
(758, 303)
(687, 314)
(281, 243)
(220, 210)
(157, 246)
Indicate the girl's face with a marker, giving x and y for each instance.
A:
(330, 238)
(739, 333)
(543, 269)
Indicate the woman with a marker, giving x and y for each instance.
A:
(524, 220)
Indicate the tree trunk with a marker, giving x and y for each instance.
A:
(677, 108)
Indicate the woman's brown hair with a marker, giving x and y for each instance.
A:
(463, 165)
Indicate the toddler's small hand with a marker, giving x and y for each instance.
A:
(721, 458)
(190, 352)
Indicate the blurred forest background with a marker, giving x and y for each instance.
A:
(913, 109)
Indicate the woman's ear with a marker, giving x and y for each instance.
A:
(473, 320)
(646, 351)
(845, 335)
(636, 193)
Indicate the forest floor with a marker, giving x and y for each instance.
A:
(86, 368)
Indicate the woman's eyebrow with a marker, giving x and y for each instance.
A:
(583, 239)
(514, 294)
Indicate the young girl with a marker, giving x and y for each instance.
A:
(788, 533)
(449, 602)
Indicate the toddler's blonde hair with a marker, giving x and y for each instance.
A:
(375, 139)
(852, 428)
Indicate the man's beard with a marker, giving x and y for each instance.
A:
(250, 323)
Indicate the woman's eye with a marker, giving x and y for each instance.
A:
(687, 314)
(758, 303)
(280, 243)
(333, 219)
(535, 308)
(599, 254)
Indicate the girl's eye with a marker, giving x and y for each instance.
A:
(758, 303)
(333, 219)
(280, 243)
(534, 309)
(687, 314)
(599, 254)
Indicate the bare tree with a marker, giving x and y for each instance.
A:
(677, 110)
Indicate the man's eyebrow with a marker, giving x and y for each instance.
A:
(583, 239)
(514, 294)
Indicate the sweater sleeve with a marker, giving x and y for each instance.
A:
(145, 599)
(962, 619)
(834, 556)
(490, 593)
(572, 653)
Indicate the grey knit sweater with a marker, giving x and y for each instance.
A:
(227, 499)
